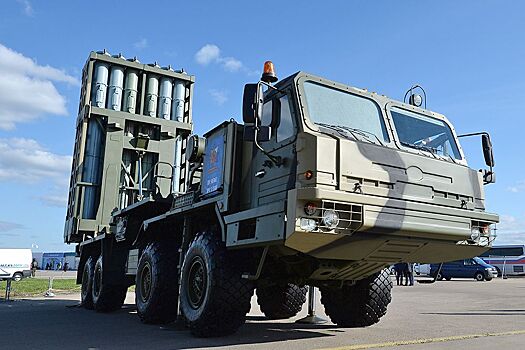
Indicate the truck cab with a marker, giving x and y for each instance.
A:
(365, 179)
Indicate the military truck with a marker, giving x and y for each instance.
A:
(322, 184)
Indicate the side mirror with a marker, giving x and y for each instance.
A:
(487, 150)
(252, 102)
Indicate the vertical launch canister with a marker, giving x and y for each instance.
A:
(100, 85)
(166, 88)
(130, 91)
(177, 108)
(116, 83)
(152, 92)
(92, 168)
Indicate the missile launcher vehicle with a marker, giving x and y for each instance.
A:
(322, 184)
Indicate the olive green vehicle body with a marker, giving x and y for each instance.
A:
(395, 204)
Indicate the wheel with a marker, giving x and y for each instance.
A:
(106, 297)
(479, 276)
(214, 297)
(448, 278)
(488, 279)
(439, 277)
(360, 305)
(17, 276)
(86, 298)
(157, 284)
(281, 301)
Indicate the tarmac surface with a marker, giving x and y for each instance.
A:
(459, 314)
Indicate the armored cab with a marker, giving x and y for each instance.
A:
(132, 123)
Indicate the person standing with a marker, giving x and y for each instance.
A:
(410, 274)
(398, 269)
(34, 266)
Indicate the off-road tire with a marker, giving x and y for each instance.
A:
(360, 305)
(282, 300)
(106, 297)
(214, 298)
(86, 299)
(479, 277)
(157, 284)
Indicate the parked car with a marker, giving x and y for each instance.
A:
(468, 268)
(15, 264)
(422, 269)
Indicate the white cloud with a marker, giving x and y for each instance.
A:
(207, 54)
(6, 226)
(27, 91)
(210, 53)
(511, 230)
(231, 64)
(220, 97)
(141, 44)
(26, 161)
(28, 9)
(518, 187)
(53, 200)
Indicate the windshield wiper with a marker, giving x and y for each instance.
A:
(363, 133)
(344, 130)
(430, 150)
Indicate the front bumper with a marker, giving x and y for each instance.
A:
(391, 231)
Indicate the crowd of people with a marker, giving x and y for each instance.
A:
(404, 271)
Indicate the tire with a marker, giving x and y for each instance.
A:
(17, 276)
(86, 298)
(479, 276)
(106, 297)
(281, 301)
(214, 298)
(439, 277)
(448, 278)
(157, 284)
(360, 305)
(488, 279)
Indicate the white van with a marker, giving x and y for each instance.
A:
(15, 263)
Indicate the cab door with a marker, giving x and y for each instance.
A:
(274, 173)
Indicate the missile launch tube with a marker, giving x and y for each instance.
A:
(92, 168)
(152, 92)
(116, 83)
(100, 85)
(166, 87)
(177, 108)
(130, 91)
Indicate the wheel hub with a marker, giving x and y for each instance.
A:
(145, 282)
(196, 282)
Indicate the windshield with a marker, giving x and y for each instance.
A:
(346, 113)
(425, 133)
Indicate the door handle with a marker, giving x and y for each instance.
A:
(260, 173)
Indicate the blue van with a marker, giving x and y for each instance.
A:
(469, 268)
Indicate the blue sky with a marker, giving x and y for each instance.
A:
(469, 56)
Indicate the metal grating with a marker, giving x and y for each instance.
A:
(350, 217)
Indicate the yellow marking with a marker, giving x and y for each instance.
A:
(424, 341)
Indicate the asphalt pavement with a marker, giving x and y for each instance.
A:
(460, 314)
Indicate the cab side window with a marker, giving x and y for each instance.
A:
(285, 129)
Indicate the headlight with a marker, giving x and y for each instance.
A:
(330, 219)
(308, 225)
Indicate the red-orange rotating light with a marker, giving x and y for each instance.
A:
(268, 75)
